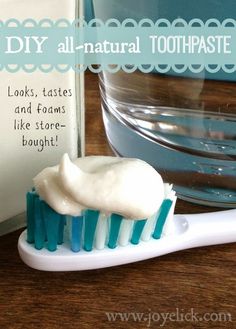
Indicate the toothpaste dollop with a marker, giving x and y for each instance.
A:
(129, 187)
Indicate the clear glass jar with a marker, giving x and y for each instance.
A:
(184, 125)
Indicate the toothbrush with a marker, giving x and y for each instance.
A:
(120, 212)
(98, 242)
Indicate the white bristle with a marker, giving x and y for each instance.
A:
(101, 232)
(125, 232)
(149, 228)
(167, 189)
(67, 229)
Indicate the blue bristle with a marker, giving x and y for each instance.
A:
(61, 229)
(91, 219)
(116, 221)
(39, 234)
(76, 233)
(30, 199)
(161, 218)
(137, 231)
(52, 222)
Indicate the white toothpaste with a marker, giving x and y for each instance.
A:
(19, 160)
(129, 187)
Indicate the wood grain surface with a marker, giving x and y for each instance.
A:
(202, 279)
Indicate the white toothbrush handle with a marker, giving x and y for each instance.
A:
(210, 228)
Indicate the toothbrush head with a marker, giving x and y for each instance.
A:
(52, 240)
(93, 229)
(96, 204)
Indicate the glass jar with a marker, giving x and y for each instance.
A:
(184, 125)
(42, 115)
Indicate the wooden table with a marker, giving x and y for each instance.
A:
(202, 279)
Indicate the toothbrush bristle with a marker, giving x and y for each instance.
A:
(137, 231)
(91, 219)
(91, 230)
(30, 216)
(76, 233)
(39, 231)
(115, 225)
(160, 221)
